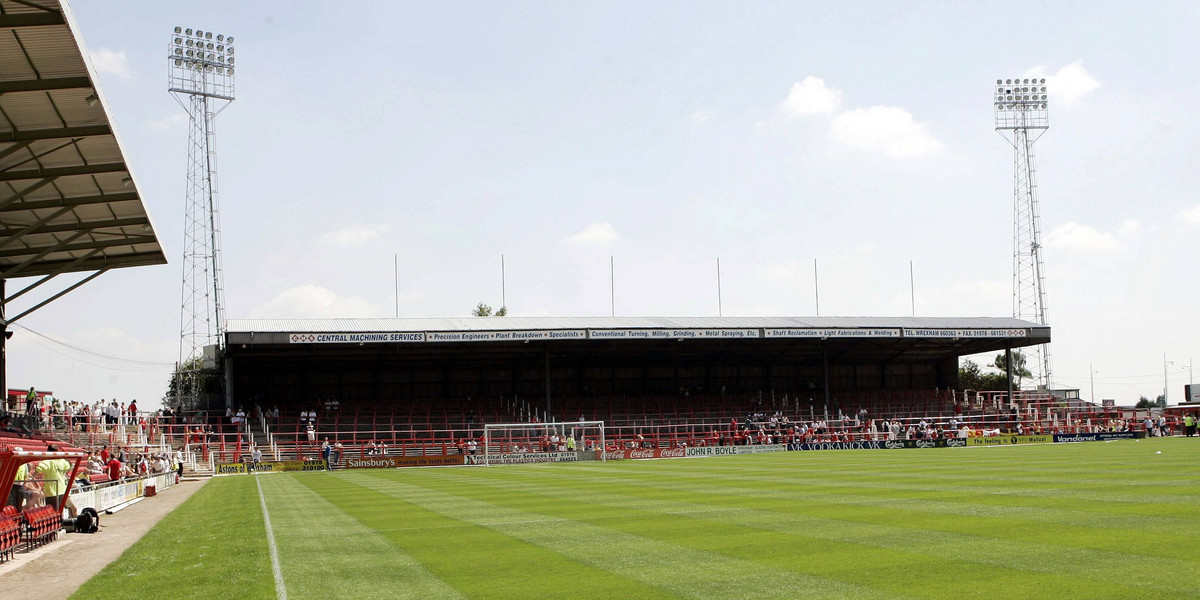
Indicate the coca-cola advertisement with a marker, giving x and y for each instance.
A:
(646, 453)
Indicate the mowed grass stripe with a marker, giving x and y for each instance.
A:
(671, 559)
(1098, 532)
(476, 561)
(1137, 512)
(323, 550)
(908, 552)
(931, 472)
(212, 546)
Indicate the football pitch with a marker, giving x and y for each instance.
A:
(1087, 520)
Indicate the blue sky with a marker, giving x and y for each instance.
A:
(665, 135)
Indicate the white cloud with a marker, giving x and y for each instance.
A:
(702, 116)
(352, 236)
(1132, 226)
(812, 97)
(1192, 215)
(596, 234)
(314, 301)
(1072, 235)
(889, 129)
(1069, 84)
(112, 62)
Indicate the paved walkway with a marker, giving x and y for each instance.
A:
(57, 570)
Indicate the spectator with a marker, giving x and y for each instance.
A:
(17, 494)
(311, 432)
(326, 450)
(255, 458)
(53, 472)
(31, 402)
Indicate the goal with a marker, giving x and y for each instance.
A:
(507, 443)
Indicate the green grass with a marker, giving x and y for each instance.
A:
(1091, 520)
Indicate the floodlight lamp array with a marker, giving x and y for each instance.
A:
(202, 51)
(1020, 94)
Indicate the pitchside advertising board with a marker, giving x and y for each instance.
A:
(527, 457)
(1094, 437)
(271, 467)
(394, 462)
(1009, 440)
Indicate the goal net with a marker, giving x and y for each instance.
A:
(510, 443)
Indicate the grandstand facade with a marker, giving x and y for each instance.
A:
(564, 368)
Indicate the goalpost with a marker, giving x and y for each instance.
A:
(543, 442)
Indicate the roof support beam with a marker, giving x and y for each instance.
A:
(76, 201)
(64, 171)
(43, 85)
(35, 156)
(13, 149)
(29, 135)
(142, 259)
(11, 235)
(40, 19)
(90, 225)
(58, 295)
(63, 269)
(66, 246)
(9, 274)
(25, 192)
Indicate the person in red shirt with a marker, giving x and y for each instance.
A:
(114, 468)
(104, 454)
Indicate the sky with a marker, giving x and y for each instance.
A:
(429, 139)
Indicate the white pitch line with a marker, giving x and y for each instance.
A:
(280, 590)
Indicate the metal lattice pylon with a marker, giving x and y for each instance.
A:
(200, 75)
(1021, 108)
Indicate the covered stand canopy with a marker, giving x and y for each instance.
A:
(69, 202)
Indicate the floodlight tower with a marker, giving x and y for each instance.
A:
(200, 77)
(1022, 118)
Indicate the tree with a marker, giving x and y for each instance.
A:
(484, 310)
(1020, 372)
(972, 377)
(208, 383)
(1144, 402)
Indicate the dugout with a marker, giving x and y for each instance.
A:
(397, 362)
